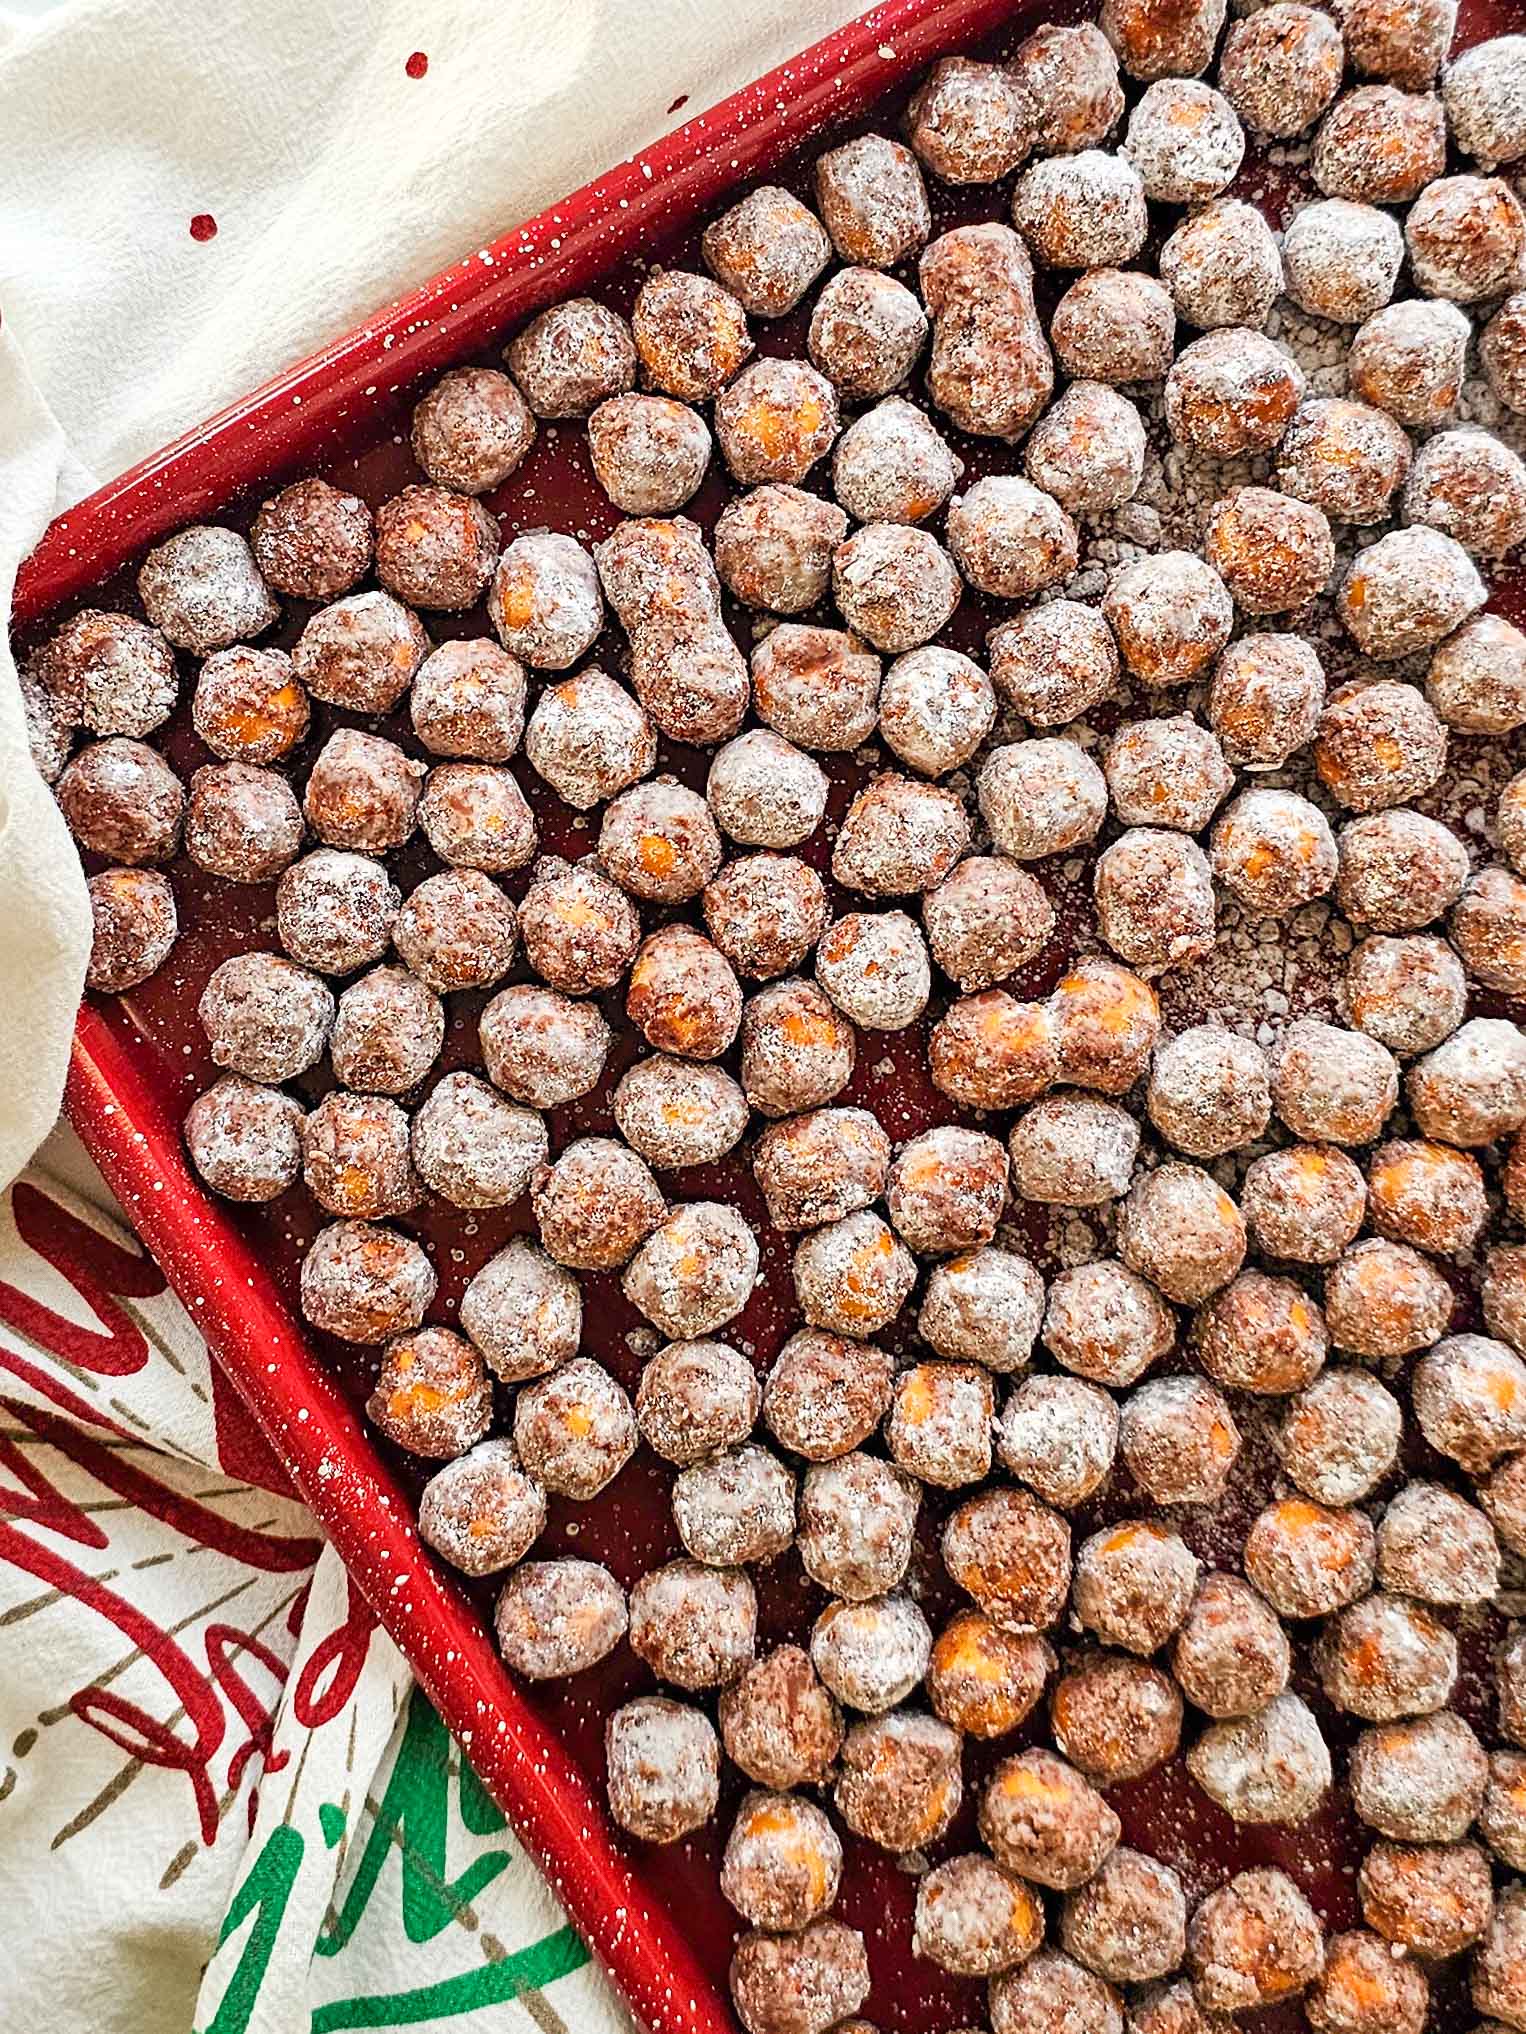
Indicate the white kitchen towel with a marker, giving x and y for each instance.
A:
(343, 150)
(221, 1806)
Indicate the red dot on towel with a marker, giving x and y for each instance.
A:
(203, 227)
(417, 64)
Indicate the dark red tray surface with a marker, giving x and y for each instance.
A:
(656, 1918)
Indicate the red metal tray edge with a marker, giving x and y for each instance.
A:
(311, 1427)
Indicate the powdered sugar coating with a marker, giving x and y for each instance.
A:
(1179, 1440)
(1484, 91)
(767, 249)
(648, 452)
(857, 1519)
(471, 430)
(134, 926)
(589, 739)
(1271, 1767)
(241, 822)
(468, 699)
(367, 1282)
(1072, 74)
(312, 540)
(1465, 236)
(1128, 1923)
(245, 1140)
(481, 1512)
(679, 1112)
(571, 357)
(559, 1617)
(1281, 67)
(873, 200)
(1081, 211)
(1342, 259)
(1408, 359)
(664, 1768)
(1222, 267)
(695, 1272)
(110, 672)
(474, 1148)
(1059, 1437)
(990, 369)
(362, 792)
(1185, 140)
(865, 335)
(457, 930)
(523, 1312)
(826, 1393)
(1041, 797)
(202, 589)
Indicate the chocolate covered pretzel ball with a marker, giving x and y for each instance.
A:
(545, 604)
(203, 590)
(355, 1157)
(799, 1984)
(693, 1625)
(1115, 1716)
(678, 1112)
(523, 1312)
(388, 1030)
(241, 822)
(471, 430)
(595, 1203)
(122, 800)
(1231, 1656)
(360, 652)
(695, 1399)
(1059, 1437)
(798, 1050)
(366, 1282)
(559, 1617)
(778, 1723)
(574, 1429)
(134, 926)
(873, 200)
(1254, 1942)
(571, 357)
(664, 1767)
(312, 540)
(865, 335)
(363, 792)
(472, 1147)
(468, 699)
(1339, 1436)
(985, 1681)
(695, 1272)
(111, 673)
(481, 1512)
(898, 1782)
(244, 1139)
(433, 1395)
(265, 1017)
(589, 739)
(826, 1393)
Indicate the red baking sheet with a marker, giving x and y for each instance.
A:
(655, 1918)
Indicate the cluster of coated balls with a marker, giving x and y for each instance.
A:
(1363, 1213)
